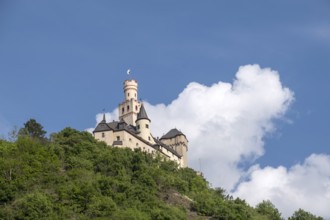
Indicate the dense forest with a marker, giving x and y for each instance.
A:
(70, 175)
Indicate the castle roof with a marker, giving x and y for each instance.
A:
(172, 134)
(102, 126)
(142, 113)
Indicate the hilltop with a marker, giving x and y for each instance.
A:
(73, 176)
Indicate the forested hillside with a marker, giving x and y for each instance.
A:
(73, 176)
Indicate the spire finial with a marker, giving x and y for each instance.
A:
(104, 121)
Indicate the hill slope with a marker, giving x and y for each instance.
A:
(73, 176)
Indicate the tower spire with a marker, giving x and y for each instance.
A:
(103, 120)
(142, 113)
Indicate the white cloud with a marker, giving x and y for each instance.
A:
(305, 186)
(225, 123)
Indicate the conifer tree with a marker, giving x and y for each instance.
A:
(32, 129)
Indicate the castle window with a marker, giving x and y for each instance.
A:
(128, 108)
(137, 144)
(136, 108)
(135, 95)
(138, 126)
(147, 126)
(103, 135)
(128, 94)
(149, 138)
(130, 139)
(118, 138)
(123, 110)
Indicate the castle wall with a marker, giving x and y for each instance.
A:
(123, 139)
(128, 140)
(106, 136)
(171, 156)
(179, 144)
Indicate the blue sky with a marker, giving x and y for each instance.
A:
(62, 62)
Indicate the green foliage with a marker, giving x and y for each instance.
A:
(267, 209)
(130, 214)
(32, 129)
(33, 206)
(73, 176)
(303, 215)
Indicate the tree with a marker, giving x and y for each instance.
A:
(304, 215)
(33, 129)
(35, 205)
(267, 209)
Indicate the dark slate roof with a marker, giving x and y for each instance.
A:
(142, 114)
(102, 126)
(172, 133)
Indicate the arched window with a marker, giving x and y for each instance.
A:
(128, 108)
(122, 110)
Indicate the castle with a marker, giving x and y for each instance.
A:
(133, 130)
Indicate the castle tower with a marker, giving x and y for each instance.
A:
(178, 141)
(130, 107)
(143, 125)
(133, 130)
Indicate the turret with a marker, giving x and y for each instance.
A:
(130, 107)
(143, 125)
(130, 89)
(178, 141)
